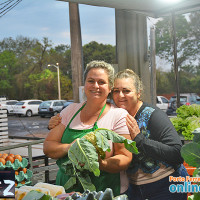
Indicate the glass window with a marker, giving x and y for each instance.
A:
(34, 102)
(11, 103)
(58, 103)
(172, 99)
(164, 100)
(47, 103)
(19, 103)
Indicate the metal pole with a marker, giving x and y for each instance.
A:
(153, 66)
(59, 92)
(175, 60)
(58, 72)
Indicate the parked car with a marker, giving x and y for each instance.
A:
(162, 103)
(8, 105)
(185, 99)
(67, 103)
(50, 108)
(198, 101)
(27, 107)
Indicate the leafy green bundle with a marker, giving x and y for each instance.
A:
(87, 195)
(187, 120)
(191, 154)
(83, 156)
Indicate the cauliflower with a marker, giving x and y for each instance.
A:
(91, 137)
(86, 151)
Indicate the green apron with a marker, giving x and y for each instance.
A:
(105, 180)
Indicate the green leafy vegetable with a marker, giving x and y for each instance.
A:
(191, 151)
(83, 155)
(87, 195)
(188, 111)
(36, 195)
(191, 154)
(187, 120)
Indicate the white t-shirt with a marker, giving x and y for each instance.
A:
(114, 119)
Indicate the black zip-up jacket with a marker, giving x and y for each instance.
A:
(157, 141)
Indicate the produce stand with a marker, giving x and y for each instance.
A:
(44, 169)
(41, 175)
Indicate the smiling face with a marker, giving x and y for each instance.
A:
(124, 94)
(97, 84)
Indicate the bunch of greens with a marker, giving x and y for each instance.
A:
(188, 111)
(36, 195)
(83, 156)
(187, 120)
(191, 154)
(87, 195)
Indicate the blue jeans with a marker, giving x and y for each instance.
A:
(158, 190)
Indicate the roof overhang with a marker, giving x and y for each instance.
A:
(152, 8)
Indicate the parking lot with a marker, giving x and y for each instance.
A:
(34, 126)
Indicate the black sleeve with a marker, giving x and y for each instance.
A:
(164, 143)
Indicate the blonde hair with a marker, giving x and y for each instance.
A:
(128, 73)
(101, 65)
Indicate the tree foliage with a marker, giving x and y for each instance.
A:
(24, 71)
(188, 52)
(95, 51)
(164, 38)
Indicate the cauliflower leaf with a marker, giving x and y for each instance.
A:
(83, 155)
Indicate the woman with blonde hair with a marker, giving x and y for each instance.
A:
(79, 119)
(158, 143)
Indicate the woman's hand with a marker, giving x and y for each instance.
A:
(120, 159)
(132, 126)
(54, 121)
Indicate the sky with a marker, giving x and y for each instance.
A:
(50, 18)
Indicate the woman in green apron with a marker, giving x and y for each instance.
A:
(80, 119)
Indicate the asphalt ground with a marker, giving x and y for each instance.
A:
(34, 126)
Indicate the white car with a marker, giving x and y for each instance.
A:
(27, 107)
(8, 105)
(162, 103)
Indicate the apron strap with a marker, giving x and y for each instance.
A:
(101, 111)
(95, 124)
(76, 114)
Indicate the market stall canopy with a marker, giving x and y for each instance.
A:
(153, 8)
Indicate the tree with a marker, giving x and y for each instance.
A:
(194, 33)
(18, 46)
(188, 48)
(95, 51)
(164, 44)
(61, 54)
(164, 82)
(7, 71)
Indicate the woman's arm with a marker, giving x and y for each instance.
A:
(120, 161)
(52, 146)
(54, 121)
(163, 144)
